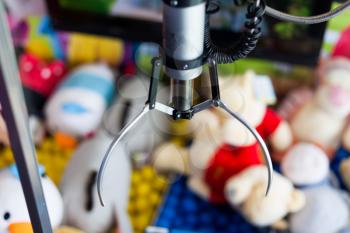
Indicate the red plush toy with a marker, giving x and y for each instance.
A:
(39, 79)
(40, 76)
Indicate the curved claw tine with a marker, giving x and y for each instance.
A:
(112, 146)
(260, 141)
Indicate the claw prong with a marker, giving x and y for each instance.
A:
(112, 146)
(261, 142)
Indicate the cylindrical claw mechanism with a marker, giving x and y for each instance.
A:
(183, 43)
(182, 94)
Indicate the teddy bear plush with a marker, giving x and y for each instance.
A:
(323, 118)
(246, 192)
(13, 207)
(79, 189)
(326, 209)
(222, 147)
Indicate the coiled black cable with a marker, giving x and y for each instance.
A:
(247, 42)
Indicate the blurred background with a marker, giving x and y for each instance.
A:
(85, 68)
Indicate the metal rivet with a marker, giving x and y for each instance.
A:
(174, 2)
(185, 67)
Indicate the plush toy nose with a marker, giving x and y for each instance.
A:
(23, 227)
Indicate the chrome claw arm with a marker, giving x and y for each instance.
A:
(112, 146)
(164, 108)
(258, 138)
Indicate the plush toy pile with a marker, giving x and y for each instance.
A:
(224, 164)
(326, 208)
(75, 112)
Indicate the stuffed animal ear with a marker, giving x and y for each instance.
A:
(297, 201)
(248, 77)
(169, 157)
(247, 82)
(204, 122)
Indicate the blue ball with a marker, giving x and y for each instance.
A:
(189, 205)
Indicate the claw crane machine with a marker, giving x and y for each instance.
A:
(166, 22)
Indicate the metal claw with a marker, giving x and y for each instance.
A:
(258, 138)
(112, 146)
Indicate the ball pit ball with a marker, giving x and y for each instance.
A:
(50, 154)
(147, 189)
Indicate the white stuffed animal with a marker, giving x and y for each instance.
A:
(13, 209)
(323, 118)
(83, 209)
(327, 208)
(246, 191)
(77, 106)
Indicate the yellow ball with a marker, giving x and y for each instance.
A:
(131, 209)
(148, 173)
(155, 198)
(135, 178)
(160, 183)
(142, 204)
(141, 222)
(132, 192)
(144, 189)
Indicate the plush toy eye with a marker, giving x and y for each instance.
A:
(7, 216)
(44, 175)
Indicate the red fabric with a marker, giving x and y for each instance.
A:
(269, 124)
(230, 160)
(342, 48)
(39, 76)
